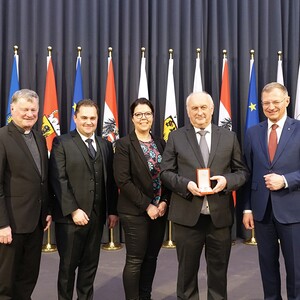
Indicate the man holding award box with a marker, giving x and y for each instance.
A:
(202, 165)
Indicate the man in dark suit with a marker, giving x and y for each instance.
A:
(81, 177)
(23, 198)
(201, 219)
(272, 152)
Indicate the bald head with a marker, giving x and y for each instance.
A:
(200, 108)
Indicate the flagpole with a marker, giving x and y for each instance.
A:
(143, 49)
(252, 240)
(198, 51)
(169, 243)
(16, 50)
(14, 82)
(48, 247)
(111, 245)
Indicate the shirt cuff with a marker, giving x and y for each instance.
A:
(285, 182)
(247, 211)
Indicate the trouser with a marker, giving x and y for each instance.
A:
(143, 240)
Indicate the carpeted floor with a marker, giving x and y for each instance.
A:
(244, 281)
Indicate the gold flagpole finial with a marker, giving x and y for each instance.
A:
(279, 55)
(16, 49)
(110, 51)
(171, 53)
(198, 51)
(224, 53)
(252, 54)
(143, 49)
(79, 49)
(49, 48)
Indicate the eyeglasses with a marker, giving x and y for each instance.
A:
(268, 103)
(140, 115)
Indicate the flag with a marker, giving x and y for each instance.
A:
(197, 77)
(78, 91)
(110, 128)
(279, 71)
(225, 105)
(50, 125)
(297, 101)
(252, 117)
(143, 84)
(170, 120)
(225, 120)
(14, 85)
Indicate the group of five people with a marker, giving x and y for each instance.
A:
(142, 183)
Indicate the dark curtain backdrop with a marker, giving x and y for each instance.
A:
(127, 25)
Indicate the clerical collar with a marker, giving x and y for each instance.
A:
(21, 130)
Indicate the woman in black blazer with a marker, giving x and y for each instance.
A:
(142, 201)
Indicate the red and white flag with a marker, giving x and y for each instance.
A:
(110, 128)
(50, 125)
(225, 105)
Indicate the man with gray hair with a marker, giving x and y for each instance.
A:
(23, 198)
(197, 155)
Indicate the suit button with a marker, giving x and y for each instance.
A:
(92, 179)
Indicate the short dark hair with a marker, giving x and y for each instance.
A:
(141, 101)
(86, 102)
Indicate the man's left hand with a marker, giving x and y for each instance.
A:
(221, 183)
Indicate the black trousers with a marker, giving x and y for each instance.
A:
(78, 248)
(143, 240)
(20, 264)
(189, 245)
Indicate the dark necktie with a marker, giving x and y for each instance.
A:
(92, 150)
(273, 142)
(203, 146)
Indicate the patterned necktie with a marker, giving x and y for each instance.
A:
(92, 150)
(203, 146)
(272, 142)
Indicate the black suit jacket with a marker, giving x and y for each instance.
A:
(133, 177)
(23, 190)
(72, 177)
(182, 157)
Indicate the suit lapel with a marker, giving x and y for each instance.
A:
(215, 138)
(287, 131)
(43, 152)
(82, 147)
(137, 147)
(191, 137)
(263, 139)
(17, 136)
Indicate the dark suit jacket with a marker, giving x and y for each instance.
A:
(23, 190)
(182, 157)
(72, 177)
(285, 202)
(133, 177)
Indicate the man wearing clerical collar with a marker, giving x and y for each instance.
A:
(24, 211)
